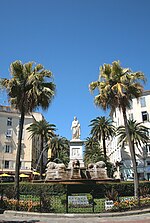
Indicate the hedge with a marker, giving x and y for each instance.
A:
(98, 190)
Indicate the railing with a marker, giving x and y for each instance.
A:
(52, 203)
(72, 199)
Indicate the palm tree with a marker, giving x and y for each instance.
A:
(28, 89)
(63, 157)
(116, 87)
(46, 131)
(102, 129)
(92, 153)
(60, 149)
(138, 133)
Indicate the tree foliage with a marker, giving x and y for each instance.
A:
(46, 131)
(102, 129)
(29, 88)
(116, 87)
(138, 133)
(60, 149)
(92, 153)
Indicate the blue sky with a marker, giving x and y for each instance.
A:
(73, 38)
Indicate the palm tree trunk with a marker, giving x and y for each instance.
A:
(104, 147)
(133, 157)
(41, 160)
(18, 163)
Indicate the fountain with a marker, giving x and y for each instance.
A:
(76, 170)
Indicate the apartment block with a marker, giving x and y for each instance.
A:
(9, 129)
(139, 111)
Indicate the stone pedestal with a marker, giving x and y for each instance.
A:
(97, 170)
(100, 173)
(75, 173)
(76, 152)
(55, 174)
(55, 171)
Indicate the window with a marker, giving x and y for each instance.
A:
(131, 105)
(148, 163)
(7, 149)
(144, 116)
(9, 133)
(9, 121)
(143, 102)
(148, 149)
(131, 116)
(6, 164)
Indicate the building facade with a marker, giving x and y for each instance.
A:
(9, 129)
(139, 111)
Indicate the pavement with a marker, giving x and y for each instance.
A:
(137, 216)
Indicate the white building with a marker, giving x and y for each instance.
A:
(139, 111)
(9, 128)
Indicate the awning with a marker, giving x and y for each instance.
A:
(36, 173)
(5, 175)
(23, 175)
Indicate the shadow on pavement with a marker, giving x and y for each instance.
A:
(30, 221)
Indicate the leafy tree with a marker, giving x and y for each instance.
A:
(60, 149)
(28, 89)
(46, 131)
(116, 87)
(102, 129)
(92, 153)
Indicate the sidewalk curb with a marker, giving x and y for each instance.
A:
(74, 215)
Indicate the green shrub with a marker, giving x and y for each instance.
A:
(112, 194)
(144, 191)
(97, 190)
(7, 189)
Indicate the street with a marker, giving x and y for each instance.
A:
(140, 218)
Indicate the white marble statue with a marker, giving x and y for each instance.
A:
(75, 129)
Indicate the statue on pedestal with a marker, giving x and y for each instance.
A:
(75, 129)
